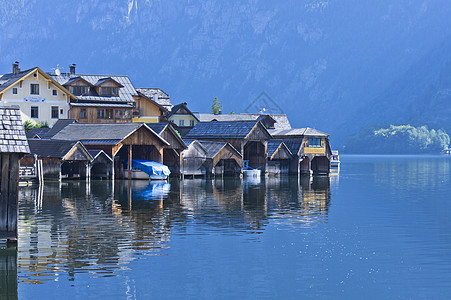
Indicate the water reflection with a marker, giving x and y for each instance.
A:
(8, 271)
(100, 227)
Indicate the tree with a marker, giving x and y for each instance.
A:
(28, 125)
(216, 108)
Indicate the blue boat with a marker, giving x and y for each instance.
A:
(146, 169)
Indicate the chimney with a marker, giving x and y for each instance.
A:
(72, 68)
(16, 69)
(220, 112)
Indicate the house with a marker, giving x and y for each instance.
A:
(148, 110)
(270, 121)
(58, 159)
(121, 142)
(310, 149)
(250, 138)
(98, 98)
(279, 158)
(40, 98)
(181, 116)
(157, 95)
(171, 152)
(13, 145)
(193, 159)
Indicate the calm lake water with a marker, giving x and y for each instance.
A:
(381, 229)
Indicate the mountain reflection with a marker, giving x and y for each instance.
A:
(99, 227)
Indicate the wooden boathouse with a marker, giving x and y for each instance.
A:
(122, 142)
(57, 159)
(279, 158)
(171, 152)
(210, 159)
(310, 149)
(13, 145)
(250, 138)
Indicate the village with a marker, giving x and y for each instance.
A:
(99, 124)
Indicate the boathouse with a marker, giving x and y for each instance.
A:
(171, 152)
(193, 159)
(310, 149)
(279, 158)
(101, 164)
(13, 145)
(57, 159)
(250, 138)
(122, 142)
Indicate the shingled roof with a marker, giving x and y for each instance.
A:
(296, 132)
(281, 120)
(12, 134)
(52, 148)
(157, 95)
(126, 90)
(90, 133)
(213, 148)
(274, 145)
(231, 129)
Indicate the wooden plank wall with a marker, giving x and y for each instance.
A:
(8, 196)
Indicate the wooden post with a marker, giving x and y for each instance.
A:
(112, 168)
(4, 193)
(13, 193)
(130, 162)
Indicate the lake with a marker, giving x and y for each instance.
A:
(379, 229)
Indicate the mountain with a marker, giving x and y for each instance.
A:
(332, 65)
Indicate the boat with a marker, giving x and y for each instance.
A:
(335, 161)
(249, 171)
(146, 169)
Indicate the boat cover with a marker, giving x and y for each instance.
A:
(150, 167)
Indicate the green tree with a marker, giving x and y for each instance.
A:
(28, 125)
(216, 108)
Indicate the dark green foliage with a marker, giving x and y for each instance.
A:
(401, 139)
(216, 108)
(28, 125)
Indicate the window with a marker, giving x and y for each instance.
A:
(191, 123)
(109, 114)
(15, 91)
(62, 111)
(181, 122)
(83, 113)
(79, 90)
(314, 142)
(108, 91)
(34, 112)
(100, 113)
(34, 89)
(54, 93)
(55, 110)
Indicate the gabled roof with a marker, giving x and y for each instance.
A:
(58, 126)
(37, 133)
(54, 148)
(190, 142)
(213, 148)
(293, 144)
(281, 120)
(231, 129)
(160, 127)
(276, 145)
(103, 80)
(90, 133)
(8, 80)
(296, 132)
(150, 99)
(126, 92)
(157, 95)
(97, 153)
(12, 134)
(179, 106)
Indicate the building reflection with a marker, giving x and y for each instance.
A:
(99, 227)
(8, 271)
